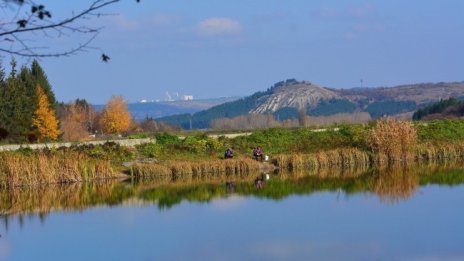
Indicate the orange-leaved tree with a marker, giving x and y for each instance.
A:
(115, 117)
(44, 120)
(73, 122)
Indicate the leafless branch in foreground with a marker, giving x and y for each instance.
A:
(25, 22)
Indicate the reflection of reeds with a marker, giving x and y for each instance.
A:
(339, 173)
(44, 199)
(198, 168)
(341, 158)
(41, 168)
(392, 184)
(395, 182)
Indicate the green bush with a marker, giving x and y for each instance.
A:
(150, 150)
(166, 138)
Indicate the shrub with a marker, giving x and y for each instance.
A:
(150, 150)
(392, 139)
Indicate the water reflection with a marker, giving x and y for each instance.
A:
(391, 185)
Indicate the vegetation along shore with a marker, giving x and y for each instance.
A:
(384, 142)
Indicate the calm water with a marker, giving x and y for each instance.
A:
(399, 214)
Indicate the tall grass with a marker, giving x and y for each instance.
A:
(342, 158)
(242, 167)
(443, 152)
(50, 168)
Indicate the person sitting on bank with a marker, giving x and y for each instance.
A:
(258, 153)
(229, 153)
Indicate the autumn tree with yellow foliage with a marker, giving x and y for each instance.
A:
(115, 117)
(44, 120)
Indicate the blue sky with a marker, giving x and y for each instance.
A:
(216, 48)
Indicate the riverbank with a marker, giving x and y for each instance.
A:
(350, 146)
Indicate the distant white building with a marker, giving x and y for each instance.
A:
(187, 97)
(143, 101)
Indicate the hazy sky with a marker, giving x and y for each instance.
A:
(215, 48)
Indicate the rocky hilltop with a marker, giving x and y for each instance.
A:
(307, 95)
(295, 95)
(285, 100)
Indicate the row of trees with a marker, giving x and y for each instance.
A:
(27, 104)
(29, 111)
(263, 121)
(79, 120)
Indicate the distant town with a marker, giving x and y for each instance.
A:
(170, 98)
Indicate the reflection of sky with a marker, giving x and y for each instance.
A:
(322, 226)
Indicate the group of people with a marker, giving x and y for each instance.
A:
(257, 153)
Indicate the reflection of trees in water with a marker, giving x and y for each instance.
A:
(399, 182)
(343, 173)
(42, 200)
(391, 184)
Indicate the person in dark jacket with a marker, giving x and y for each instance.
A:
(229, 153)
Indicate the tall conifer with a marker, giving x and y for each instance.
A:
(40, 78)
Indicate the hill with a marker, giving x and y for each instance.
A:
(286, 98)
(449, 108)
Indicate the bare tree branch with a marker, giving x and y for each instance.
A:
(38, 19)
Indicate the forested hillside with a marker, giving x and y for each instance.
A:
(448, 108)
(286, 99)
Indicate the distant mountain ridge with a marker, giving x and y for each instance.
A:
(140, 111)
(284, 99)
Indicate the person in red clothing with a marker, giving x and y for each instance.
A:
(258, 153)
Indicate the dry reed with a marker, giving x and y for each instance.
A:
(392, 140)
(341, 158)
(202, 168)
(430, 152)
(41, 168)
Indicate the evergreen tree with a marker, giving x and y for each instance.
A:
(40, 78)
(44, 120)
(14, 107)
(19, 101)
(3, 130)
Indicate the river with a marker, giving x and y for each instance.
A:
(403, 213)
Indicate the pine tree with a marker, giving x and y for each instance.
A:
(19, 100)
(40, 78)
(44, 120)
(15, 111)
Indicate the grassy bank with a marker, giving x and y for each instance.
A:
(340, 146)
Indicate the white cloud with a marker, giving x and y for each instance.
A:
(219, 26)
(121, 23)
